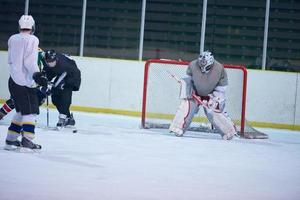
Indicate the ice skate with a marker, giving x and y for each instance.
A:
(228, 136)
(177, 134)
(62, 120)
(176, 131)
(29, 144)
(12, 145)
(66, 123)
(70, 120)
(230, 133)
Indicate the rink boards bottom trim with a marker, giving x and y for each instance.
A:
(138, 114)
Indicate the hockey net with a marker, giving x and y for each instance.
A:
(161, 98)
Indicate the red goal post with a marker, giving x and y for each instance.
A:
(160, 97)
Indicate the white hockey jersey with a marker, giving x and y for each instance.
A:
(22, 58)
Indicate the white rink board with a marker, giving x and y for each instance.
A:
(297, 106)
(273, 97)
(4, 74)
(118, 84)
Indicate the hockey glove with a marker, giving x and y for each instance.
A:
(46, 90)
(40, 79)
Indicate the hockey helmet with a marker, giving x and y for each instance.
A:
(205, 61)
(27, 22)
(50, 57)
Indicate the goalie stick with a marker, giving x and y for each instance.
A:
(196, 97)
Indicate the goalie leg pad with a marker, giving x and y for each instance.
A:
(223, 123)
(183, 117)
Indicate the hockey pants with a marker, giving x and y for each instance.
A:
(62, 99)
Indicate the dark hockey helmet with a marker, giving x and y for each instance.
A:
(50, 56)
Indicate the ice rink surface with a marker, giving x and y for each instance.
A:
(111, 158)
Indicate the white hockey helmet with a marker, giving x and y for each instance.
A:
(26, 22)
(205, 61)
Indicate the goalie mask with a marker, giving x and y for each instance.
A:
(50, 58)
(26, 22)
(206, 61)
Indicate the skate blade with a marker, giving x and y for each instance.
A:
(70, 128)
(10, 147)
(67, 128)
(59, 128)
(20, 149)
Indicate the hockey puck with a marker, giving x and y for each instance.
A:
(74, 131)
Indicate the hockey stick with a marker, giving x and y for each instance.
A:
(59, 80)
(47, 105)
(195, 97)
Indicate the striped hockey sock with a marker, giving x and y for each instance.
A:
(14, 131)
(6, 108)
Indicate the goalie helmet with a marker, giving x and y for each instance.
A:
(27, 22)
(205, 61)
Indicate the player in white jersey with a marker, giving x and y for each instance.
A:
(22, 60)
(207, 79)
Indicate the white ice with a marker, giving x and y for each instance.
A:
(111, 158)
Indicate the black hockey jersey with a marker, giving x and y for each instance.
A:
(64, 64)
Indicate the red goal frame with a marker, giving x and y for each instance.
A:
(162, 61)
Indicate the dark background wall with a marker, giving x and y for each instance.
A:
(234, 30)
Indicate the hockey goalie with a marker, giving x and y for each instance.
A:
(204, 86)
